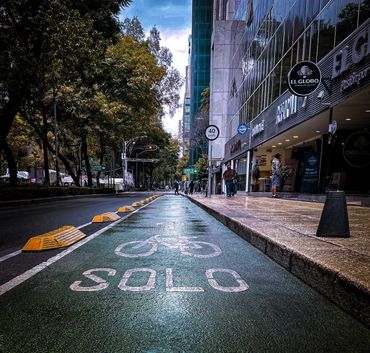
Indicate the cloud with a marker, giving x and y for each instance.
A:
(162, 13)
(173, 20)
(177, 42)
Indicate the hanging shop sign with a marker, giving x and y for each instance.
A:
(211, 132)
(243, 129)
(304, 78)
(356, 149)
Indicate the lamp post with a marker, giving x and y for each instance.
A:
(148, 148)
(125, 146)
(56, 134)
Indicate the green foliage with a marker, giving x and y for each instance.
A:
(202, 165)
(107, 86)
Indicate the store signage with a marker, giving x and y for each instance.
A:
(243, 129)
(311, 172)
(211, 132)
(286, 109)
(235, 147)
(342, 59)
(258, 128)
(304, 78)
(354, 80)
(356, 150)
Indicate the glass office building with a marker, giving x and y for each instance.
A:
(200, 60)
(278, 34)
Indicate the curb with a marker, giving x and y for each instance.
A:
(344, 292)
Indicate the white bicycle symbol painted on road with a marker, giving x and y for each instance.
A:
(186, 246)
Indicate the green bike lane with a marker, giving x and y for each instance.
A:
(171, 278)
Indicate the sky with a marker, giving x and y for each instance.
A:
(173, 20)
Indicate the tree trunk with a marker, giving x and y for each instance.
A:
(11, 162)
(86, 159)
(51, 149)
(7, 115)
(44, 146)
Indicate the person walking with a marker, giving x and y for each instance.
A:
(191, 187)
(229, 175)
(276, 174)
(176, 185)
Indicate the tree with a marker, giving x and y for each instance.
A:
(29, 29)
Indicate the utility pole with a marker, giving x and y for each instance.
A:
(56, 133)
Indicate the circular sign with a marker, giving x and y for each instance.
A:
(356, 149)
(304, 78)
(211, 132)
(243, 129)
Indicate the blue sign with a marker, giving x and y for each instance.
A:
(243, 129)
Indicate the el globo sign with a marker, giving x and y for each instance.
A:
(304, 78)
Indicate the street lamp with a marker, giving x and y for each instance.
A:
(147, 148)
(125, 146)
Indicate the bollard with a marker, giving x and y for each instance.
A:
(334, 217)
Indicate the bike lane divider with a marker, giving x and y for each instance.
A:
(31, 272)
(171, 279)
(18, 261)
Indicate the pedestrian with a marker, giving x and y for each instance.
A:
(276, 174)
(191, 187)
(176, 185)
(235, 184)
(228, 177)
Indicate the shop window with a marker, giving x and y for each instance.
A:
(347, 19)
(328, 21)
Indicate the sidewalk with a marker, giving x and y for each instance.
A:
(284, 230)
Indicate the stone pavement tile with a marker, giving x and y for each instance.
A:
(285, 231)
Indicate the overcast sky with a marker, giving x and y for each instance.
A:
(173, 19)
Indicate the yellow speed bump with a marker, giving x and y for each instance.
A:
(138, 203)
(58, 238)
(106, 217)
(125, 209)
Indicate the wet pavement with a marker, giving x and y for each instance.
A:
(170, 278)
(285, 230)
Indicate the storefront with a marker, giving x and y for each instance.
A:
(324, 138)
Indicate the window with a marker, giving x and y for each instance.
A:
(328, 21)
(347, 19)
(364, 11)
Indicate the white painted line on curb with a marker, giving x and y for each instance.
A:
(38, 268)
(6, 257)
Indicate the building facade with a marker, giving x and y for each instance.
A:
(200, 67)
(278, 34)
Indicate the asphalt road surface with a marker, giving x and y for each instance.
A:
(169, 278)
(17, 224)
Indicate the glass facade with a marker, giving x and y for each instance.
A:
(280, 33)
(200, 58)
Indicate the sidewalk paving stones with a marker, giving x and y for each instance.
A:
(339, 268)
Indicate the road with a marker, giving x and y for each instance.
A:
(17, 224)
(170, 278)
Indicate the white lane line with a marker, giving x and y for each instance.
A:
(38, 268)
(6, 257)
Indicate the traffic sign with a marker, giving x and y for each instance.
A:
(243, 129)
(304, 78)
(98, 168)
(211, 132)
(189, 171)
